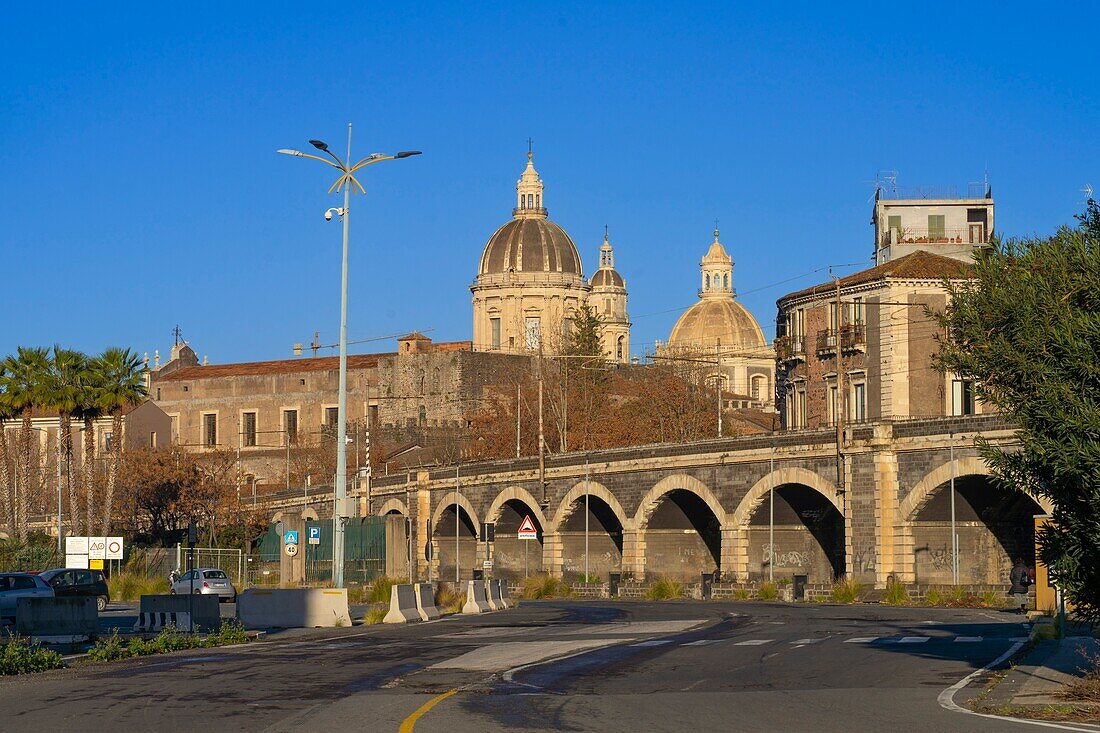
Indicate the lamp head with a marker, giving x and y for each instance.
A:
(407, 153)
(320, 145)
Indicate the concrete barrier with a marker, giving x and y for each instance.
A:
(293, 608)
(498, 590)
(160, 620)
(204, 609)
(494, 604)
(476, 602)
(402, 605)
(425, 602)
(65, 616)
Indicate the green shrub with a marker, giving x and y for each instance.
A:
(110, 649)
(381, 589)
(229, 633)
(589, 579)
(664, 589)
(741, 594)
(896, 593)
(21, 657)
(768, 592)
(992, 599)
(357, 593)
(846, 590)
(543, 586)
(375, 616)
(957, 597)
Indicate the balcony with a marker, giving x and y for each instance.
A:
(853, 337)
(974, 233)
(790, 348)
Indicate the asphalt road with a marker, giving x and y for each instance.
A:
(573, 666)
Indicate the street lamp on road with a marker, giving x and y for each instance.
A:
(346, 183)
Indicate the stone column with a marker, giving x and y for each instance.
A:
(421, 497)
(734, 554)
(634, 552)
(553, 554)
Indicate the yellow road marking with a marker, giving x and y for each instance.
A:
(409, 722)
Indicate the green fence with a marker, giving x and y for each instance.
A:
(364, 552)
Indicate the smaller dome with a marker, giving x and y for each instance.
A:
(607, 278)
(717, 253)
(708, 321)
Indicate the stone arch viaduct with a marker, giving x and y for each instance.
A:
(744, 507)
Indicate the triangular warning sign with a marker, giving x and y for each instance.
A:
(527, 529)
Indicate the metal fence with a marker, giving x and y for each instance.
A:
(231, 561)
(364, 553)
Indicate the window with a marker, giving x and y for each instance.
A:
(332, 417)
(210, 430)
(894, 226)
(834, 407)
(725, 282)
(22, 582)
(422, 415)
(214, 575)
(494, 329)
(248, 432)
(290, 425)
(800, 408)
(153, 439)
(832, 317)
(619, 349)
(108, 442)
(859, 402)
(372, 411)
(936, 228)
(606, 307)
(758, 388)
(538, 201)
(706, 282)
(532, 332)
(962, 397)
(857, 311)
(530, 201)
(798, 323)
(158, 393)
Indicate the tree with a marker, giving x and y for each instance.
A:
(1026, 330)
(65, 392)
(121, 384)
(23, 390)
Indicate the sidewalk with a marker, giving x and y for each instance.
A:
(1038, 679)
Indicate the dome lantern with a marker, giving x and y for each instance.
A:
(716, 272)
(529, 203)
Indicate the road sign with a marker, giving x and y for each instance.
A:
(290, 537)
(76, 546)
(114, 548)
(314, 535)
(292, 550)
(527, 529)
(487, 564)
(97, 549)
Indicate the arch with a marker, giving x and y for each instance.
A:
(393, 504)
(276, 517)
(310, 514)
(920, 494)
(464, 503)
(516, 493)
(595, 488)
(672, 483)
(759, 491)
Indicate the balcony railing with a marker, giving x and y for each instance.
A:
(788, 348)
(853, 337)
(947, 235)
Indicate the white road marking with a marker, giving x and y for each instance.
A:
(913, 639)
(861, 640)
(967, 639)
(946, 699)
(804, 642)
(506, 654)
(702, 642)
(754, 642)
(653, 642)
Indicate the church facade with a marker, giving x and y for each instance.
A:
(530, 283)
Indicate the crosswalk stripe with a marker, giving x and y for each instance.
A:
(913, 639)
(967, 639)
(861, 640)
(806, 641)
(754, 642)
(702, 642)
(653, 642)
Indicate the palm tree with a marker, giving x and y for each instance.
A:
(7, 515)
(121, 376)
(66, 383)
(24, 378)
(88, 411)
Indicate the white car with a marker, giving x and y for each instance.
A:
(207, 582)
(14, 586)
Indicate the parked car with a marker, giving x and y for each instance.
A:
(78, 582)
(14, 586)
(207, 582)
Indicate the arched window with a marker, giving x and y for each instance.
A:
(530, 201)
(725, 282)
(707, 281)
(538, 201)
(619, 349)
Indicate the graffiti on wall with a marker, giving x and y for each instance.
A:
(789, 559)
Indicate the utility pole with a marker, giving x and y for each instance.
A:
(518, 407)
(586, 518)
(458, 509)
(718, 380)
(542, 441)
(954, 530)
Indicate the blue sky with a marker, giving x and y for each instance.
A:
(139, 187)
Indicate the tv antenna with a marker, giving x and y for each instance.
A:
(884, 179)
(1087, 190)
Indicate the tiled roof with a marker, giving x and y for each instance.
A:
(281, 366)
(920, 265)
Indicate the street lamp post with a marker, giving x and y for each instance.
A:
(346, 182)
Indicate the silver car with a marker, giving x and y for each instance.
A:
(207, 582)
(14, 586)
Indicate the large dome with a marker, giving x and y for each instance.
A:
(530, 245)
(703, 324)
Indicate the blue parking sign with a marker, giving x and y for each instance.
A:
(291, 537)
(314, 533)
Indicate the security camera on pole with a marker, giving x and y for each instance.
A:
(346, 182)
